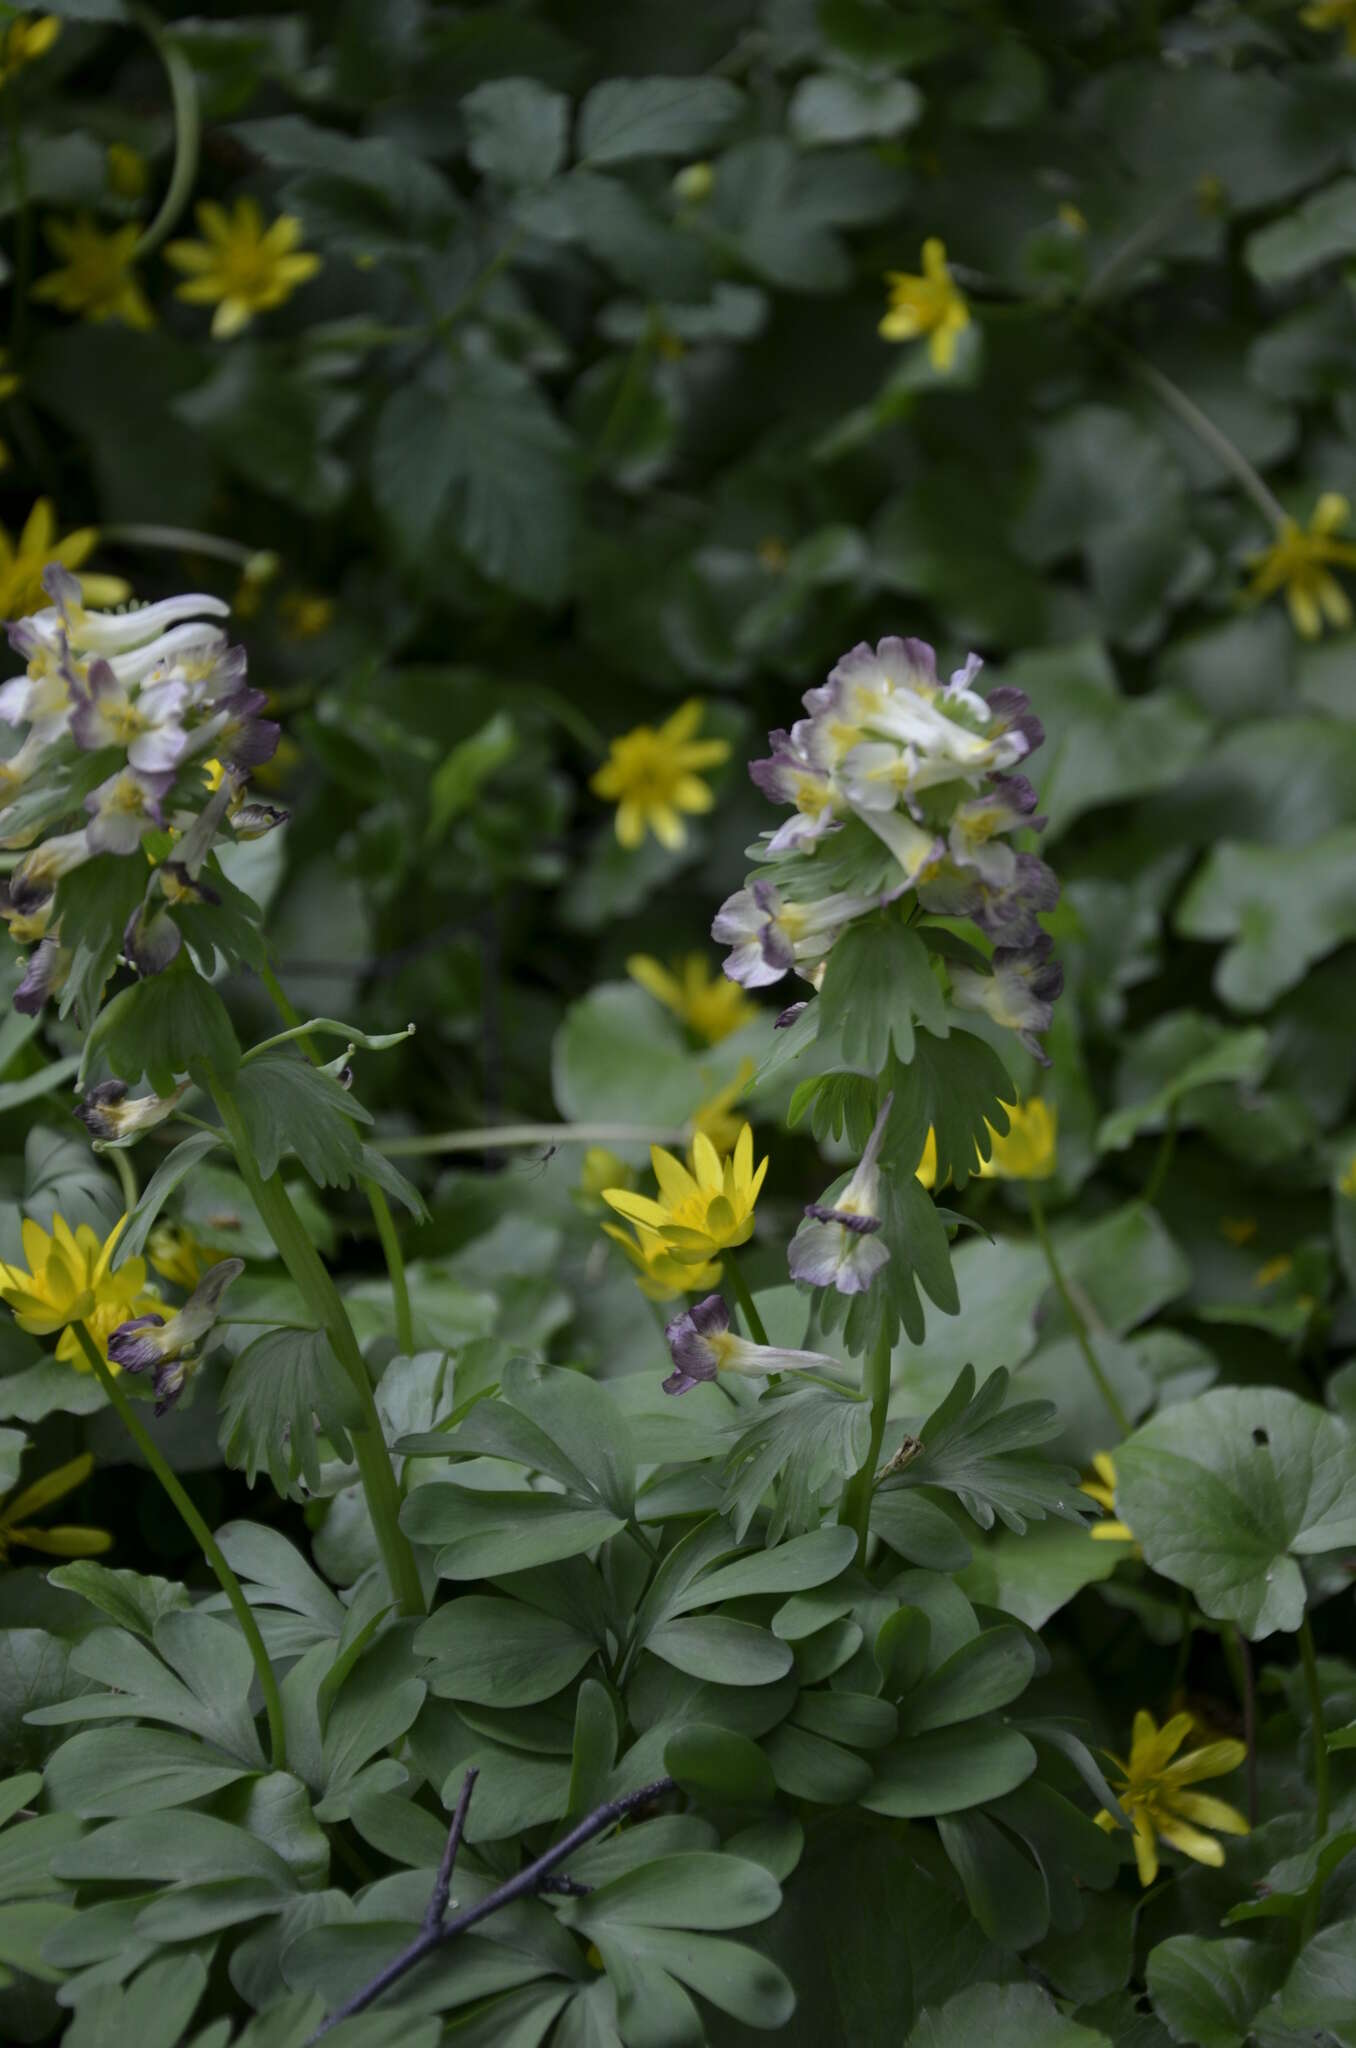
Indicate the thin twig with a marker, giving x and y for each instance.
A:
(528, 1883)
(442, 1883)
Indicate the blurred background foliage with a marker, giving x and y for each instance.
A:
(578, 409)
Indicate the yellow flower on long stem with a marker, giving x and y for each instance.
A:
(69, 1281)
(1026, 1151)
(931, 304)
(96, 280)
(1156, 1796)
(1325, 14)
(24, 40)
(1298, 562)
(242, 267)
(650, 774)
(1103, 1490)
(710, 1004)
(179, 1257)
(22, 564)
(703, 1210)
(65, 1539)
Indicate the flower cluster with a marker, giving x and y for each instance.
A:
(928, 769)
(69, 1280)
(702, 1210)
(139, 735)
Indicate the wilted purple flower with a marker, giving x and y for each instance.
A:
(1007, 912)
(111, 1119)
(39, 872)
(170, 1349)
(838, 1243)
(44, 975)
(253, 820)
(1020, 992)
(701, 1345)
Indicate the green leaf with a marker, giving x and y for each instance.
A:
(160, 1027)
(94, 903)
(190, 1152)
(1225, 1492)
(976, 1448)
(107, 1773)
(1001, 2016)
(987, 1672)
(517, 130)
(1178, 1054)
(624, 118)
(878, 984)
(290, 1106)
(1208, 1992)
(285, 1390)
(843, 106)
(1034, 1575)
(500, 1653)
(458, 778)
(1102, 747)
(917, 1530)
(721, 1650)
(718, 1767)
(949, 1769)
(492, 464)
(1283, 908)
(954, 1087)
(129, 1599)
(1320, 1990)
(1323, 227)
(274, 428)
(152, 2011)
(484, 1533)
(809, 1560)
(806, 1443)
(194, 1848)
(1006, 1892)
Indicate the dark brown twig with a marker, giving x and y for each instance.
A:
(527, 1884)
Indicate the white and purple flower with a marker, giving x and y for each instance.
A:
(838, 1244)
(702, 1345)
(170, 1350)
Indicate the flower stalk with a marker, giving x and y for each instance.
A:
(1314, 1690)
(202, 1536)
(322, 1297)
(187, 132)
(1077, 1321)
(854, 1511)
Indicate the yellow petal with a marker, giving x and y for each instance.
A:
(1146, 1850)
(1209, 1813)
(52, 1486)
(1191, 1842)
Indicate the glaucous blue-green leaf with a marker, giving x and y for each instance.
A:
(152, 2010)
(1320, 1990)
(107, 1773)
(625, 118)
(517, 130)
(1002, 2016)
(979, 1450)
(845, 106)
(480, 1533)
(721, 1649)
(500, 1652)
(1178, 1054)
(281, 1392)
(1032, 1576)
(1208, 1993)
(1320, 229)
(878, 983)
(949, 1769)
(1225, 1492)
(718, 1767)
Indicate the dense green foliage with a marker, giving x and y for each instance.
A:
(566, 410)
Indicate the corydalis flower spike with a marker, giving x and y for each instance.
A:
(701, 1345)
(838, 1243)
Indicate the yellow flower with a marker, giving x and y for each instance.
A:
(242, 268)
(24, 40)
(710, 1004)
(68, 1281)
(930, 304)
(128, 171)
(650, 776)
(1025, 1152)
(1272, 1270)
(97, 280)
(661, 1276)
(1347, 1184)
(1296, 563)
(1103, 1491)
(1156, 1797)
(700, 1212)
(65, 1540)
(1323, 14)
(178, 1256)
(306, 615)
(22, 564)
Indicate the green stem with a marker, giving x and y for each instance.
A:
(1312, 1687)
(496, 1137)
(1153, 1187)
(184, 99)
(854, 1510)
(322, 1297)
(739, 1287)
(183, 539)
(1136, 246)
(1195, 421)
(202, 1536)
(395, 1265)
(127, 1179)
(1071, 1310)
